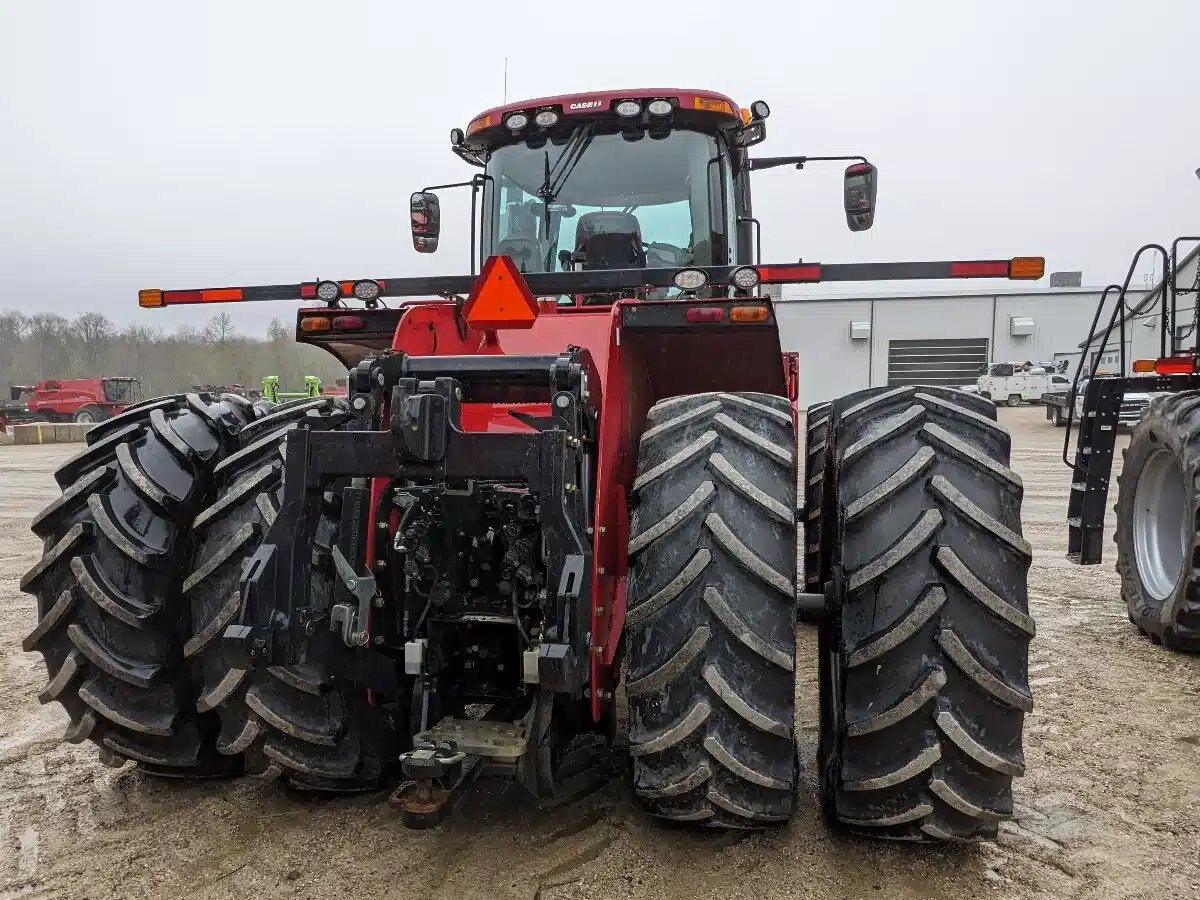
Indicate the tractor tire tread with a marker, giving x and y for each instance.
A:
(286, 715)
(108, 587)
(710, 623)
(929, 639)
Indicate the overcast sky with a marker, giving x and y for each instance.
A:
(177, 145)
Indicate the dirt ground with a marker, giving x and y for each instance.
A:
(1110, 807)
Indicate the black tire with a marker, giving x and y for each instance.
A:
(1169, 614)
(924, 662)
(89, 415)
(816, 569)
(1013, 400)
(111, 619)
(710, 627)
(293, 721)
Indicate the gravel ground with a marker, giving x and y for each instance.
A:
(1109, 808)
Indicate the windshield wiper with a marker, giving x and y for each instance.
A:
(556, 178)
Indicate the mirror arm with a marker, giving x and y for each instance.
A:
(771, 162)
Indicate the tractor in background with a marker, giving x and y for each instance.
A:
(575, 460)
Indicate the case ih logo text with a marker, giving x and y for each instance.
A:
(586, 104)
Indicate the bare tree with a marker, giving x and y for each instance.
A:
(49, 346)
(94, 331)
(48, 333)
(219, 329)
(277, 332)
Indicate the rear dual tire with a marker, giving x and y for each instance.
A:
(295, 722)
(711, 611)
(111, 619)
(924, 661)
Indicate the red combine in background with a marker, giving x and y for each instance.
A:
(84, 400)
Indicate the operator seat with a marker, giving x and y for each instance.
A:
(522, 243)
(610, 239)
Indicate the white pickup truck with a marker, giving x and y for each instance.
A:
(1133, 406)
(1006, 384)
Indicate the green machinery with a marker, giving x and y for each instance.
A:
(312, 388)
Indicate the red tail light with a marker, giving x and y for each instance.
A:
(800, 272)
(979, 269)
(705, 314)
(347, 323)
(1175, 365)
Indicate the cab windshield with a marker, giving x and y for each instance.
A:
(646, 203)
(122, 390)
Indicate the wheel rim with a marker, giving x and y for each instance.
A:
(84, 418)
(1160, 532)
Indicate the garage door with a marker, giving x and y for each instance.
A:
(945, 361)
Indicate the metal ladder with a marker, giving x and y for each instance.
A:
(1093, 469)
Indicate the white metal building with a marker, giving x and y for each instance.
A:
(857, 341)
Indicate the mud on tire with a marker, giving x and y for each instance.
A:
(287, 720)
(711, 611)
(1162, 592)
(111, 621)
(924, 664)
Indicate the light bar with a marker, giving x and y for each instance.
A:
(607, 281)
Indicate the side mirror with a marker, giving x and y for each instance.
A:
(425, 219)
(861, 184)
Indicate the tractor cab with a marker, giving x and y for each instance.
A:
(122, 389)
(618, 180)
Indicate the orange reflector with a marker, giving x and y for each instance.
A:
(746, 116)
(749, 314)
(1175, 365)
(500, 298)
(221, 295)
(478, 124)
(1027, 267)
(1143, 365)
(711, 104)
(151, 298)
(314, 323)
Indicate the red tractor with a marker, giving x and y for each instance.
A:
(580, 462)
(84, 400)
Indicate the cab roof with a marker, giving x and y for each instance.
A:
(593, 102)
